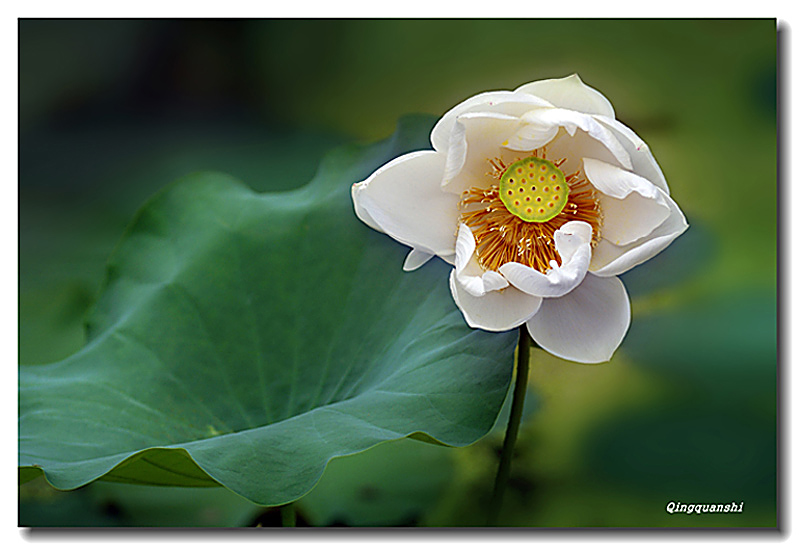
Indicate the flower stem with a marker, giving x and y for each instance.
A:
(288, 516)
(514, 418)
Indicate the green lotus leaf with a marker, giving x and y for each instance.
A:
(246, 339)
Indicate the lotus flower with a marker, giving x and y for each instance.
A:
(539, 198)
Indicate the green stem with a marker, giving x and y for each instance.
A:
(514, 418)
(288, 516)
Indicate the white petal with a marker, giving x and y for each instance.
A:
(532, 136)
(572, 121)
(609, 259)
(573, 245)
(479, 285)
(509, 103)
(495, 311)
(361, 212)
(415, 259)
(474, 279)
(644, 164)
(632, 206)
(465, 247)
(570, 93)
(476, 138)
(405, 200)
(588, 324)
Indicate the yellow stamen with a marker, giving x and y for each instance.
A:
(502, 236)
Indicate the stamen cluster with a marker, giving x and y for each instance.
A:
(504, 237)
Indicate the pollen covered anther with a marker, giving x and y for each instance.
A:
(501, 235)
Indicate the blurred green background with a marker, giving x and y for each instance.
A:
(111, 111)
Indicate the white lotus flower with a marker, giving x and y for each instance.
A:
(539, 198)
